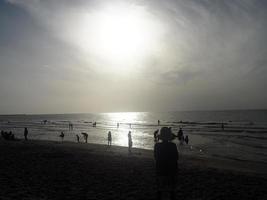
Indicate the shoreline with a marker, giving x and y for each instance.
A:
(37, 169)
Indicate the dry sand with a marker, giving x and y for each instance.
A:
(55, 170)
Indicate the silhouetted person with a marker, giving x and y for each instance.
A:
(85, 135)
(70, 126)
(180, 135)
(156, 135)
(130, 142)
(186, 139)
(78, 138)
(62, 136)
(94, 124)
(109, 138)
(166, 157)
(26, 133)
(158, 122)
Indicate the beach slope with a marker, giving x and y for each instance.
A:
(55, 170)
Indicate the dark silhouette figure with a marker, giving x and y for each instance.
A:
(62, 136)
(85, 136)
(156, 135)
(130, 142)
(186, 139)
(158, 122)
(180, 136)
(26, 133)
(109, 138)
(118, 125)
(166, 156)
(70, 126)
(78, 138)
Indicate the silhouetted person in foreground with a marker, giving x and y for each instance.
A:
(26, 133)
(62, 136)
(130, 142)
(78, 138)
(166, 157)
(85, 135)
(109, 138)
(158, 122)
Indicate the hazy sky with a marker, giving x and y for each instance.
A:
(138, 55)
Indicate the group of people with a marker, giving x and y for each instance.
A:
(180, 136)
(7, 135)
(130, 141)
(11, 136)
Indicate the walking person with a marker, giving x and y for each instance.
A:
(109, 138)
(166, 157)
(26, 133)
(130, 142)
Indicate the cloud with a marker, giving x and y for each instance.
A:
(207, 48)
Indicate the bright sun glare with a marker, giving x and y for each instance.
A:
(119, 33)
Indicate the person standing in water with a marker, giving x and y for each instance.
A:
(166, 157)
(62, 136)
(78, 138)
(109, 138)
(130, 142)
(26, 133)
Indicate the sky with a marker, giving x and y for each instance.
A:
(82, 56)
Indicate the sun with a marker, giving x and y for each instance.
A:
(119, 33)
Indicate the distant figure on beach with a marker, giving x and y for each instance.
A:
(223, 126)
(62, 135)
(94, 124)
(118, 125)
(130, 142)
(85, 136)
(70, 126)
(166, 157)
(180, 135)
(186, 139)
(78, 138)
(156, 135)
(25, 133)
(158, 122)
(109, 138)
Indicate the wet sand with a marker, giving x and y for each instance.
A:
(55, 170)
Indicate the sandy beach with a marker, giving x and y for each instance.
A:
(55, 170)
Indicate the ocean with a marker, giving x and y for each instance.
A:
(244, 136)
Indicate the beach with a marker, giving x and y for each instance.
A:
(55, 170)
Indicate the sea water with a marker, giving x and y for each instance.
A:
(244, 136)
